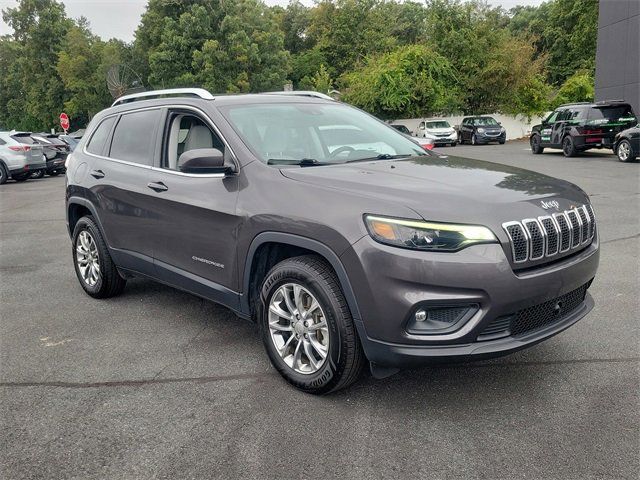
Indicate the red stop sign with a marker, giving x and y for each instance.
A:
(64, 121)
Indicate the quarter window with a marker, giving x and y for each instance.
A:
(134, 137)
(99, 138)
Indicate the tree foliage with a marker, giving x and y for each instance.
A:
(392, 58)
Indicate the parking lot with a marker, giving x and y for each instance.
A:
(159, 383)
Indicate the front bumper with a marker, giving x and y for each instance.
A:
(483, 138)
(445, 140)
(389, 283)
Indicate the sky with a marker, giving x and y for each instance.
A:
(120, 18)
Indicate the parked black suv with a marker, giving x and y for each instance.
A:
(480, 130)
(577, 127)
(343, 239)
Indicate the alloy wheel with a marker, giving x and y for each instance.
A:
(624, 151)
(87, 258)
(298, 328)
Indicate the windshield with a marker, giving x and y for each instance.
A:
(402, 128)
(621, 113)
(438, 124)
(484, 122)
(316, 133)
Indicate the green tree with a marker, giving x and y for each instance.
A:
(231, 46)
(577, 88)
(39, 28)
(410, 81)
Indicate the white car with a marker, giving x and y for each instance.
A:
(439, 131)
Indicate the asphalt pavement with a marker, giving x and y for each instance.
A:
(158, 383)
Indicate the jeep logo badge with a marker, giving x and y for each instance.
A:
(550, 204)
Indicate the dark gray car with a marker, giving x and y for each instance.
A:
(344, 240)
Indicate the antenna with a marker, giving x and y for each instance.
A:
(122, 79)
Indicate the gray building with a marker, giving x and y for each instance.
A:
(618, 57)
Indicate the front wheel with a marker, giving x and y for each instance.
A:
(569, 147)
(307, 328)
(460, 139)
(454, 144)
(95, 270)
(624, 151)
(536, 145)
(474, 140)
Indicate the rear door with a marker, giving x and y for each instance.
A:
(558, 127)
(194, 219)
(122, 150)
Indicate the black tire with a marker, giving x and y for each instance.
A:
(54, 173)
(109, 283)
(345, 358)
(627, 155)
(460, 139)
(454, 144)
(569, 147)
(536, 144)
(21, 178)
(474, 140)
(4, 176)
(37, 174)
(501, 142)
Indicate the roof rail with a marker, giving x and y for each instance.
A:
(182, 92)
(302, 93)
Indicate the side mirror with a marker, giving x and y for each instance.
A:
(202, 160)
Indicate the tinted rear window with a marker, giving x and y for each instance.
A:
(26, 139)
(98, 139)
(619, 113)
(133, 138)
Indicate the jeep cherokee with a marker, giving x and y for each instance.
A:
(345, 241)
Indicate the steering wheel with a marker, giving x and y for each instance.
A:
(338, 151)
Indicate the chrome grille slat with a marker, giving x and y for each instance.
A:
(546, 236)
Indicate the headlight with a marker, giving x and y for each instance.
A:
(430, 136)
(419, 235)
(481, 130)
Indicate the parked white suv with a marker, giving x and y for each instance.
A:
(18, 160)
(439, 131)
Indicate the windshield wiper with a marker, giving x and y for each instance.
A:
(382, 156)
(303, 162)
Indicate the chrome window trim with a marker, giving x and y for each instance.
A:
(160, 169)
(526, 235)
(525, 223)
(556, 227)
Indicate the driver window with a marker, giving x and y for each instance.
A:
(421, 126)
(187, 132)
(552, 118)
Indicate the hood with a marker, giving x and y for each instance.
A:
(449, 189)
(440, 130)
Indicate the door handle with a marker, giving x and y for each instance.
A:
(158, 186)
(97, 174)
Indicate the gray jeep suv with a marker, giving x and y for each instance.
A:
(341, 238)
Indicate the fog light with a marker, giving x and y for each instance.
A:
(421, 316)
(440, 319)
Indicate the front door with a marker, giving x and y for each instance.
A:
(195, 219)
(557, 128)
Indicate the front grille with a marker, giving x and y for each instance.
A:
(533, 239)
(536, 317)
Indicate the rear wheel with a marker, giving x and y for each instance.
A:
(307, 328)
(3, 175)
(536, 145)
(95, 270)
(624, 151)
(568, 147)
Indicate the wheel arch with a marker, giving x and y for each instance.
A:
(269, 248)
(78, 207)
